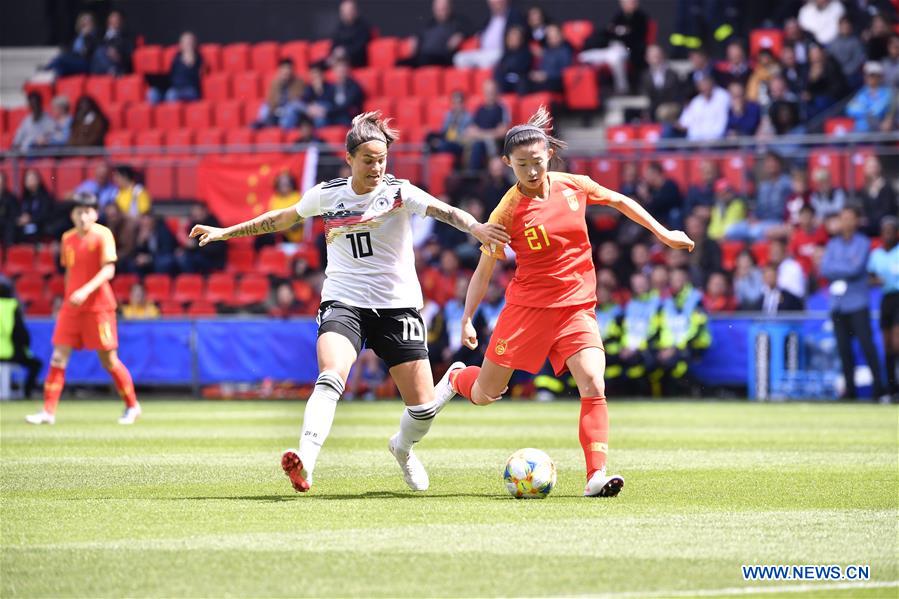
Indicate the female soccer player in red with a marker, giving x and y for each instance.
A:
(550, 302)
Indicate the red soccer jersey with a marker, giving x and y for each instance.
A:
(554, 259)
(83, 256)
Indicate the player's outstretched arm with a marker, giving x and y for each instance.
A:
(486, 233)
(270, 222)
(637, 213)
(480, 280)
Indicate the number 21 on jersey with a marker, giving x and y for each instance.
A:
(537, 237)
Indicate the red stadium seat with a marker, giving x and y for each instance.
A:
(406, 165)
(69, 174)
(385, 105)
(270, 136)
(246, 86)
(272, 261)
(760, 251)
(30, 286)
(405, 48)
(115, 113)
(649, 133)
(188, 288)
(168, 116)
(675, 167)
(4, 122)
(239, 137)
(264, 56)
(44, 90)
(837, 126)
(220, 287)
(185, 180)
(210, 138)
(159, 177)
(577, 32)
(435, 112)
(56, 285)
(15, 117)
(414, 135)
(737, 169)
(168, 56)
(369, 80)
(397, 82)
(410, 112)
(119, 140)
(198, 115)
(41, 306)
(100, 88)
(333, 134)
(178, 141)
(855, 165)
(252, 289)
(229, 115)
(428, 82)
(769, 39)
(158, 287)
(151, 138)
(19, 260)
(529, 104)
(298, 52)
(302, 290)
(830, 160)
(201, 308)
(318, 51)
(46, 261)
(139, 117)
(71, 87)
(47, 169)
(440, 166)
(121, 286)
(470, 43)
(479, 76)
(694, 168)
(240, 259)
(236, 57)
(606, 172)
(148, 60)
(581, 89)
(217, 87)
(212, 57)
(458, 80)
(729, 252)
(171, 308)
(130, 88)
(383, 52)
(619, 135)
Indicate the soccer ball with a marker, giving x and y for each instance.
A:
(529, 474)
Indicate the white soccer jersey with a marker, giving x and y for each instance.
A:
(371, 263)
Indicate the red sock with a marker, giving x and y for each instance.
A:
(123, 384)
(53, 384)
(594, 432)
(463, 380)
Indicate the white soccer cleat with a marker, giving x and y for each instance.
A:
(443, 390)
(130, 415)
(601, 485)
(42, 417)
(414, 472)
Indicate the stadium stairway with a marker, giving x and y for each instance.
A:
(18, 65)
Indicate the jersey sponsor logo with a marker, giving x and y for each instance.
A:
(500, 348)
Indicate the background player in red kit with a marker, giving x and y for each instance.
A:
(87, 318)
(550, 302)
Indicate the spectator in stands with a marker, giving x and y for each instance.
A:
(878, 196)
(873, 106)
(154, 246)
(848, 51)
(9, 213)
(774, 298)
(621, 42)
(659, 279)
(350, 39)
(455, 123)
(640, 259)
(36, 209)
(663, 199)
(783, 111)
(15, 340)
(348, 96)
(37, 128)
(89, 126)
(744, 115)
(799, 196)
(727, 211)
(440, 39)
(609, 256)
(113, 55)
(283, 103)
(318, 96)
(683, 330)
(60, 112)
(705, 117)
(789, 272)
(766, 67)
(825, 84)
(735, 68)
(133, 198)
(511, 72)
(492, 36)
(797, 39)
(184, 72)
(494, 184)
(700, 68)
(771, 199)
(702, 195)
(285, 304)
(286, 194)
(124, 230)
(538, 22)
(138, 306)
(826, 200)
(662, 85)
(748, 282)
(878, 38)
(640, 327)
(717, 297)
(807, 236)
(555, 57)
(101, 185)
(190, 256)
(890, 63)
(439, 282)
(795, 75)
(77, 60)
(488, 127)
(706, 256)
(844, 265)
(884, 264)
(821, 19)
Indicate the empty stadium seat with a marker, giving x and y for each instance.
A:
(150, 138)
(529, 104)
(246, 86)
(428, 82)
(458, 80)
(46, 262)
(30, 286)
(130, 88)
(41, 306)
(769, 39)
(694, 167)
(333, 134)
(56, 285)
(264, 56)
(217, 87)
(855, 167)
(212, 56)
(649, 132)
(236, 57)
(220, 287)
(369, 80)
(168, 115)
(46, 167)
(159, 177)
(158, 287)
(186, 180)
(385, 105)
(581, 89)
(760, 251)
(252, 289)
(606, 172)
(675, 168)
(831, 161)
(619, 135)
(270, 136)
(100, 88)
(188, 288)
(122, 284)
(397, 82)
(737, 169)
(479, 76)
(139, 117)
(171, 308)
(178, 140)
(70, 173)
(147, 60)
(383, 52)
(435, 112)
(71, 87)
(318, 51)
(201, 308)
(209, 138)
(839, 126)
(406, 165)
(577, 32)
(240, 259)
(168, 56)
(272, 261)
(198, 115)
(115, 113)
(440, 166)
(298, 52)
(229, 115)
(729, 252)
(239, 137)
(409, 112)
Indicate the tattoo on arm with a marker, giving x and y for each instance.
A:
(452, 216)
(270, 222)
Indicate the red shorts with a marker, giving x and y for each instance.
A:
(524, 337)
(83, 329)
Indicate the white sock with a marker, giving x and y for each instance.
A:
(415, 423)
(319, 416)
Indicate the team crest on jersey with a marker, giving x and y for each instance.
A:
(500, 348)
(382, 204)
(571, 196)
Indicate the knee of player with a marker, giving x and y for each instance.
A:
(594, 386)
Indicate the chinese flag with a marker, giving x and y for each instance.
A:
(238, 188)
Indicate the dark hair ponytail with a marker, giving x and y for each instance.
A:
(536, 130)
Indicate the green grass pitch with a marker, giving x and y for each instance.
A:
(191, 501)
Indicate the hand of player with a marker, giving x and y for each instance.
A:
(490, 233)
(207, 234)
(677, 240)
(469, 334)
(78, 297)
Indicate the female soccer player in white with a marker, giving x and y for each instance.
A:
(371, 296)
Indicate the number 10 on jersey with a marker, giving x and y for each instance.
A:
(360, 244)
